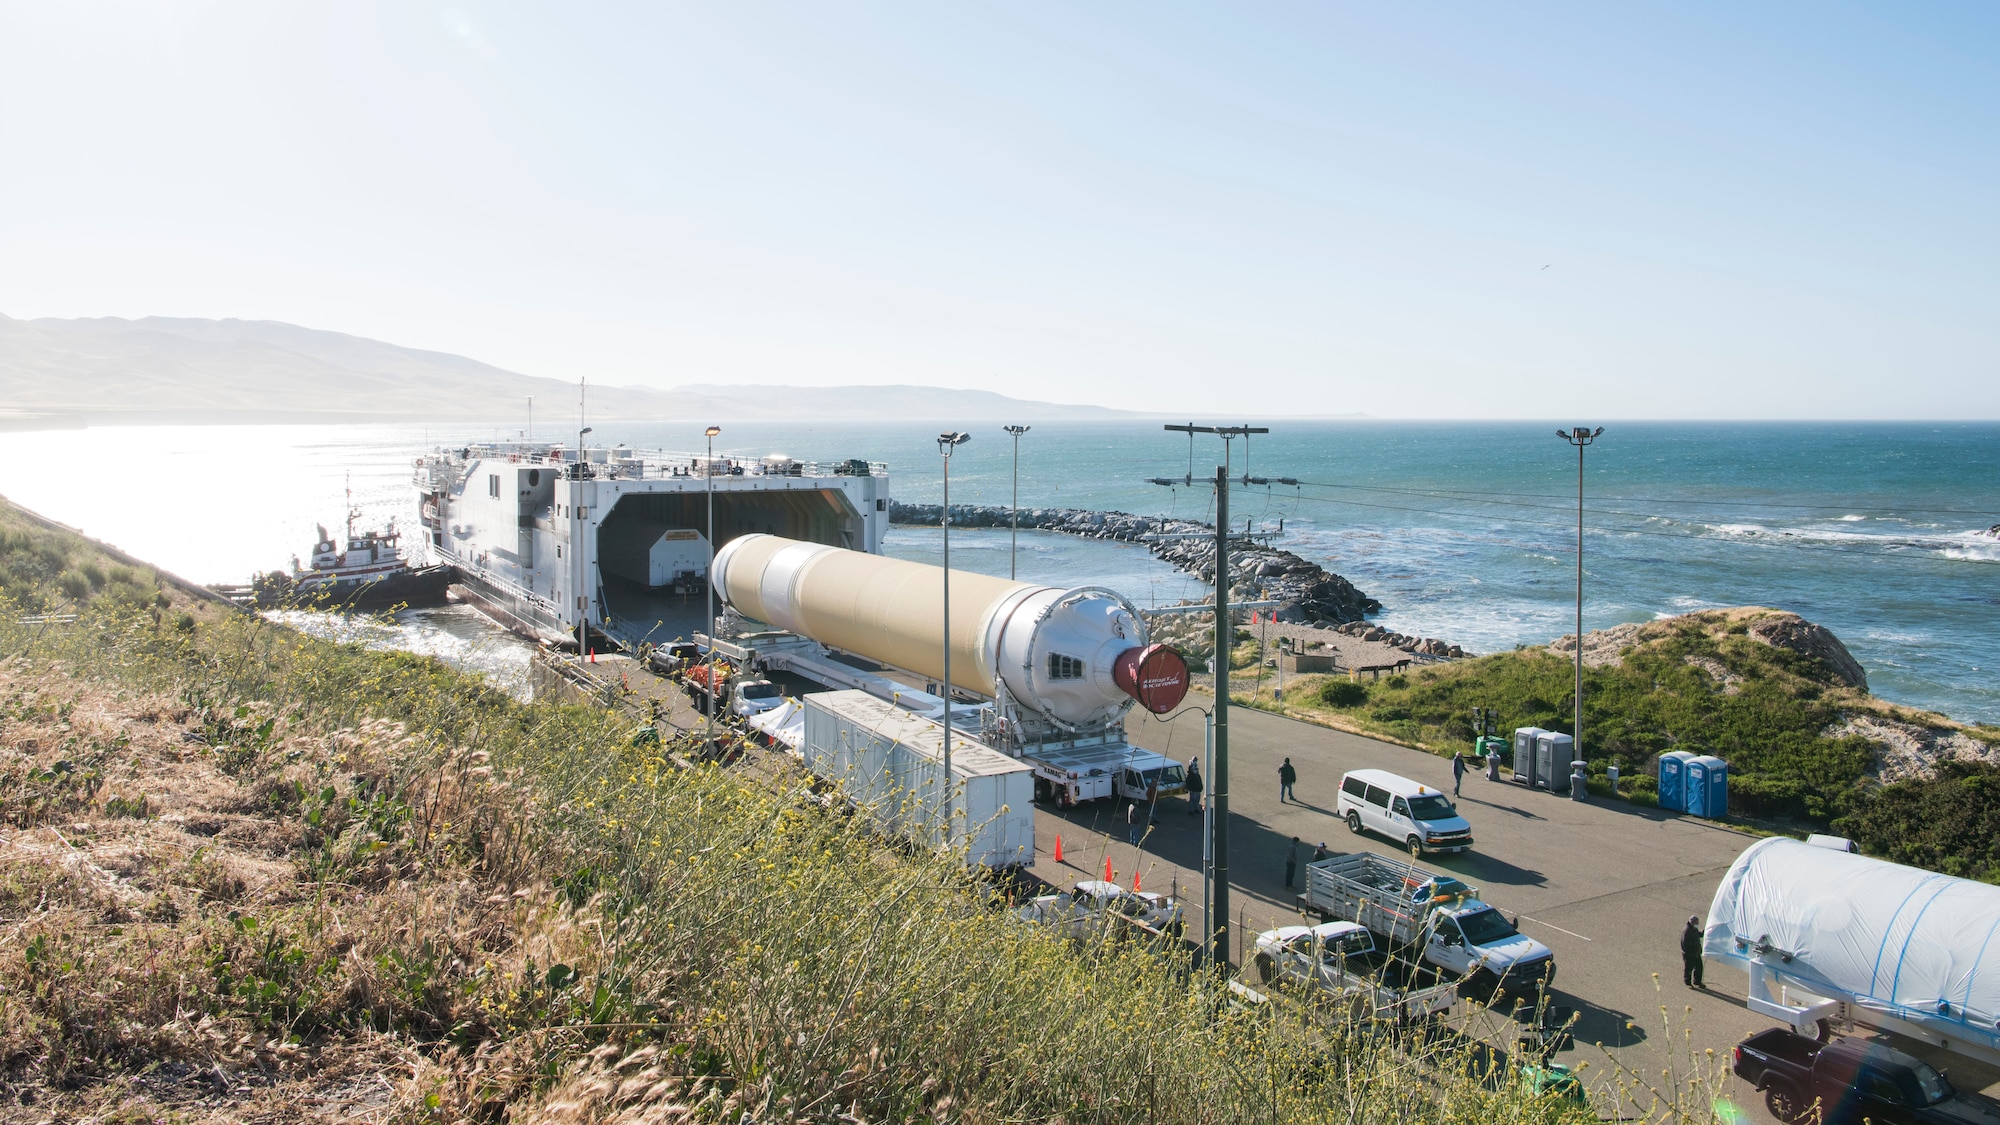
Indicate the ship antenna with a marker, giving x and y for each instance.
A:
(350, 507)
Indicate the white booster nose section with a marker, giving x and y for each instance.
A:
(1053, 650)
(1057, 649)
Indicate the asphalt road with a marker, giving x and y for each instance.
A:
(1607, 886)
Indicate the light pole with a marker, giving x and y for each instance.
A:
(1579, 437)
(576, 557)
(946, 443)
(1014, 534)
(708, 480)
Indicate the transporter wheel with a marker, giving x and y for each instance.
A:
(1783, 1100)
(1267, 970)
(1043, 790)
(1354, 822)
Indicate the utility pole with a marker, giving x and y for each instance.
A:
(1580, 436)
(947, 443)
(1215, 939)
(1014, 535)
(708, 480)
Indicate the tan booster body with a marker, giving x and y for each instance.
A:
(1078, 657)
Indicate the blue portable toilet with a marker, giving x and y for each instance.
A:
(1708, 787)
(1524, 754)
(1673, 780)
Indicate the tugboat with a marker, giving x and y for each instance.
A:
(371, 573)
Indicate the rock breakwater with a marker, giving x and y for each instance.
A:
(1307, 593)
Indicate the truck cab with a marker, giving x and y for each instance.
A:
(1152, 780)
(754, 697)
(1852, 1080)
(1472, 939)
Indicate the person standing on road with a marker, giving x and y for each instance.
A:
(1291, 860)
(1691, 954)
(1457, 771)
(1194, 786)
(1287, 777)
(1132, 824)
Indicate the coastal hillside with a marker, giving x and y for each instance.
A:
(253, 876)
(1778, 697)
(109, 370)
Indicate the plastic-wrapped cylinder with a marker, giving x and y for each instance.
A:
(1062, 653)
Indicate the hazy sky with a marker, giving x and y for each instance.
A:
(1417, 210)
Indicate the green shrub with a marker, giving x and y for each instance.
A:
(1343, 693)
(1950, 823)
(74, 584)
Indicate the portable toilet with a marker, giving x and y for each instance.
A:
(1708, 787)
(1553, 754)
(1673, 780)
(1524, 754)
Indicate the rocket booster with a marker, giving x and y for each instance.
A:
(1078, 656)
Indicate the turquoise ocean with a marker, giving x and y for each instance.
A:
(1464, 531)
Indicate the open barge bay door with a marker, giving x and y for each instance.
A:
(527, 525)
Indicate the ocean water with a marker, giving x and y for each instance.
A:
(1464, 531)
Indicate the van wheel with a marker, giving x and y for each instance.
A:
(1354, 822)
(1416, 847)
(1782, 1099)
(1267, 971)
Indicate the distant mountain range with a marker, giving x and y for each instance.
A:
(108, 370)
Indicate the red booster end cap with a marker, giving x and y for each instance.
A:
(1156, 676)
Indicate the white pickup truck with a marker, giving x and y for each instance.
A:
(1432, 916)
(1092, 904)
(1338, 963)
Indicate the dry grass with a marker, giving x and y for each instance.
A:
(250, 876)
(188, 930)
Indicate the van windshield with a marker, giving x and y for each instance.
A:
(1432, 808)
(1483, 927)
(1167, 778)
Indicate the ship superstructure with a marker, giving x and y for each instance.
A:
(531, 526)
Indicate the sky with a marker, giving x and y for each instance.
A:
(1441, 210)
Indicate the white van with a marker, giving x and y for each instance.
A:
(1416, 815)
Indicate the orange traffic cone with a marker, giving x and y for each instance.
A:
(1059, 857)
(1108, 873)
(1135, 882)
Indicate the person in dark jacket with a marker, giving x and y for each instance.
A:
(1291, 860)
(1691, 954)
(1194, 786)
(1286, 777)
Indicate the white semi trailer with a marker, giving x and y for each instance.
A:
(1828, 936)
(889, 763)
